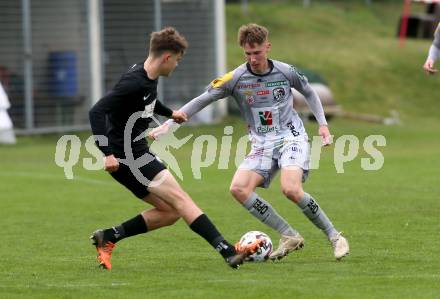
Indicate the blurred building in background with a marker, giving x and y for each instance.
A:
(58, 57)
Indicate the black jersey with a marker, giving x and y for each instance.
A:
(134, 92)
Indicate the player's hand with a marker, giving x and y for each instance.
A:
(429, 67)
(159, 131)
(111, 164)
(325, 135)
(179, 117)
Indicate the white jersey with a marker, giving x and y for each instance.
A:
(265, 101)
(276, 131)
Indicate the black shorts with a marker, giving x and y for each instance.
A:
(125, 177)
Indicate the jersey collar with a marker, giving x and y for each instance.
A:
(248, 66)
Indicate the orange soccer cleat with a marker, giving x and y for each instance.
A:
(104, 249)
(242, 252)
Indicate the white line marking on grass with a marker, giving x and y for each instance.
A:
(48, 176)
(66, 285)
(87, 285)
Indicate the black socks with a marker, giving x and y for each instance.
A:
(132, 227)
(201, 225)
(206, 229)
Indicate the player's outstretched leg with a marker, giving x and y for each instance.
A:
(170, 191)
(105, 240)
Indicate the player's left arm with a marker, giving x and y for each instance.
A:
(300, 83)
(434, 53)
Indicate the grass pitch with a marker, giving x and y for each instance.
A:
(389, 216)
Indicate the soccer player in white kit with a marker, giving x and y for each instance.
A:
(262, 89)
(434, 53)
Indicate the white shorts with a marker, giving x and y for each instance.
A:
(267, 158)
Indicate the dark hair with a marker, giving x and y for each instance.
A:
(168, 39)
(252, 34)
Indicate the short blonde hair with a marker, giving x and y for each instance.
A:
(252, 34)
(168, 39)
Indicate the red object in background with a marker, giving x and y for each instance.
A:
(405, 16)
(404, 24)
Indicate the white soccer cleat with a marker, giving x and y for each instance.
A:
(340, 246)
(287, 244)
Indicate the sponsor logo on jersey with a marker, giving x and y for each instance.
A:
(276, 83)
(250, 99)
(247, 92)
(222, 80)
(248, 85)
(267, 129)
(278, 94)
(300, 75)
(266, 120)
(263, 92)
(265, 117)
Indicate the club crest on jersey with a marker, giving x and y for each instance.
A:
(278, 94)
(265, 117)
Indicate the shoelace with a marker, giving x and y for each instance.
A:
(335, 239)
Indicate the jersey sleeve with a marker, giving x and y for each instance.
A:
(221, 87)
(217, 89)
(300, 83)
(113, 101)
(436, 42)
(434, 51)
(163, 110)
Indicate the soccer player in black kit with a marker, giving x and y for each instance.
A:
(131, 103)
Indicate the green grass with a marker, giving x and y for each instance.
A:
(390, 217)
(353, 46)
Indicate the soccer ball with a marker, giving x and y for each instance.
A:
(263, 252)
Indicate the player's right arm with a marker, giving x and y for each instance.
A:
(434, 53)
(217, 89)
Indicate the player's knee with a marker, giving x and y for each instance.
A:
(239, 192)
(294, 193)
